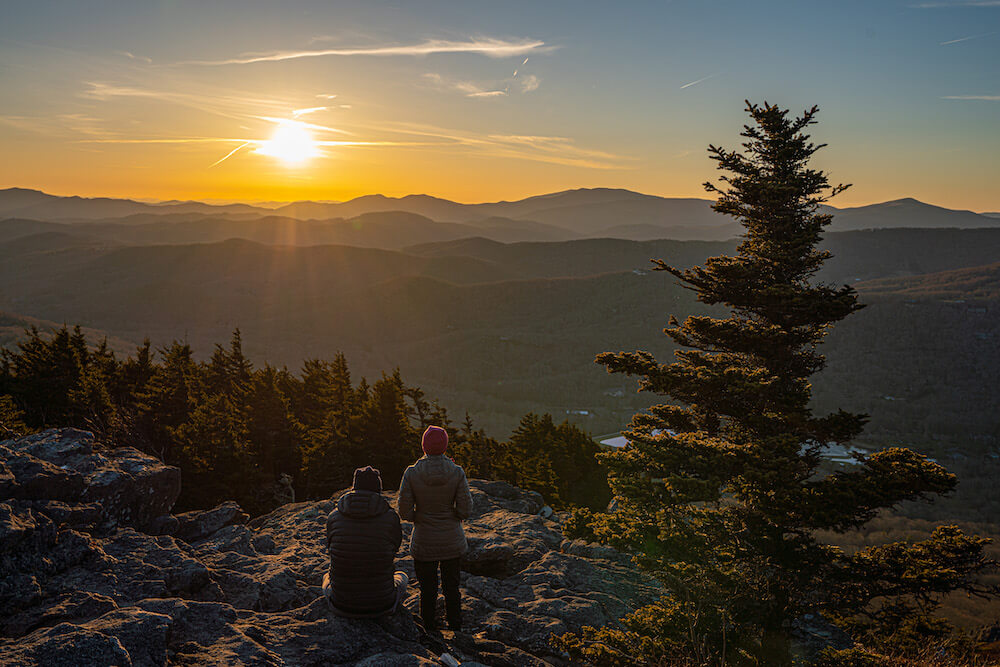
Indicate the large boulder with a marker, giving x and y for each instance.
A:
(130, 487)
(101, 574)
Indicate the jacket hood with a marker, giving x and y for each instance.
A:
(434, 470)
(362, 504)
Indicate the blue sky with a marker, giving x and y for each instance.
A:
(144, 98)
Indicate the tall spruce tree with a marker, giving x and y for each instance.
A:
(721, 492)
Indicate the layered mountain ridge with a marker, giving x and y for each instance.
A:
(597, 212)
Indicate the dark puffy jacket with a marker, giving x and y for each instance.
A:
(434, 495)
(362, 537)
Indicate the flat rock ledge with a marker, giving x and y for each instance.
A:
(94, 570)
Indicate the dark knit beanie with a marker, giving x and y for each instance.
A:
(368, 479)
(435, 440)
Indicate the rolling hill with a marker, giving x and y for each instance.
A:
(504, 329)
(597, 212)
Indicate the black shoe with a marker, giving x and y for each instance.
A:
(455, 622)
(434, 642)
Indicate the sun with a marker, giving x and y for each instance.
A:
(292, 143)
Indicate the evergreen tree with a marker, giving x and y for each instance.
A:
(313, 396)
(558, 461)
(330, 410)
(274, 435)
(217, 458)
(229, 371)
(167, 399)
(135, 373)
(475, 451)
(11, 418)
(720, 493)
(46, 373)
(390, 442)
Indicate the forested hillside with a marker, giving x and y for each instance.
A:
(264, 436)
(501, 330)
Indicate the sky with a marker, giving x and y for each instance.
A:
(486, 101)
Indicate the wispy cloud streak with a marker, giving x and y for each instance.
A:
(230, 154)
(304, 112)
(468, 88)
(961, 3)
(965, 39)
(985, 98)
(702, 80)
(547, 149)
(229, 104)
(494, 48)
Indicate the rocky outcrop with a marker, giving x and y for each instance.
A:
(95, 571)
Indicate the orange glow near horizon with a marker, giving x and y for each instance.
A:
(332, 101)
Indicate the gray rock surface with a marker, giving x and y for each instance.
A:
(95, 571)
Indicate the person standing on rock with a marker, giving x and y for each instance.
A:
(434, 495)
(362, 537)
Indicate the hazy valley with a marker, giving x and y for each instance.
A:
(506, 325)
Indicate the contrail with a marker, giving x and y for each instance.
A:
(229, 154)
(965, 39)
(695, 83)
(494, 48)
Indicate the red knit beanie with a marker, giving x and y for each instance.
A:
(435, 440)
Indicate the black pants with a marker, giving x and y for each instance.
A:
(427, 577)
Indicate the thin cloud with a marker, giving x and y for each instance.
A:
(530, 83)
(965, 39)
(985, 98)
(493, 48)
(467, 88)
(299, 123)
(229, 104)
(702, 80)
(230, 154)
(67, 124)
(964, 3)
(303, 112)
(546, 149)
(132, 56)
(563, 145)
(161, 140)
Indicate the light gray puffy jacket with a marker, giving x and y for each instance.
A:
(434, 495)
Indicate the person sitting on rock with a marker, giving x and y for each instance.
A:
(434, 495)
(362, 537)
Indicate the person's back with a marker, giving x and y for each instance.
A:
(434, 494)
(437, 522)
(362, 537)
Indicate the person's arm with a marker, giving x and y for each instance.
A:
(405, 503)
(396, 534)
(329, 528)
(463, 498)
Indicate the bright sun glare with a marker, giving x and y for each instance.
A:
(291, 143)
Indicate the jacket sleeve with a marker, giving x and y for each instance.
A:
(406, 503)
(396, 534)
(463, 498)
(329, 528)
